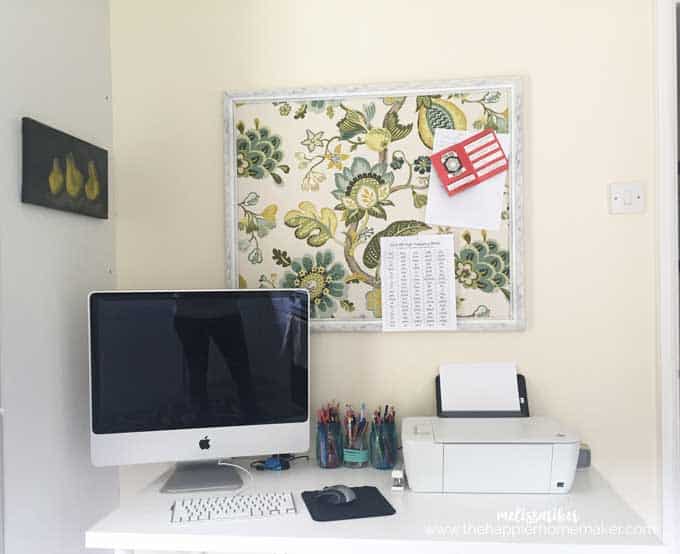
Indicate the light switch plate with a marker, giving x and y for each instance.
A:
(626, 198)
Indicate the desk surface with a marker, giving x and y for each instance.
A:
(592, 518)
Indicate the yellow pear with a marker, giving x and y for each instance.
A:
(439, 114)
(74, 178)
(269, 213)
(56, 178)
(378, 139)
(92, 186)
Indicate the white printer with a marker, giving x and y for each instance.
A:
(488, 455)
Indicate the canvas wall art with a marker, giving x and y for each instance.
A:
(314, 179)
(63, 172)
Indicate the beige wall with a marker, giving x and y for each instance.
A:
(589, 351)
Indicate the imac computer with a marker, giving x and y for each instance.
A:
(198, 376)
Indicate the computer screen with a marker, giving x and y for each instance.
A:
(197, 359)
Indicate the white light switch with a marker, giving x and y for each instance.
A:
(626, 198)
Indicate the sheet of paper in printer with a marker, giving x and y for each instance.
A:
(479, 387)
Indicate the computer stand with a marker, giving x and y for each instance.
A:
(202, 476)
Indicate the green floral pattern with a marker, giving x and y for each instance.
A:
(360, 172)
(323, 281)
(483, 265)
(422, 165)
(313, 106)
(363, 190)
(259, 153)
(254, 226)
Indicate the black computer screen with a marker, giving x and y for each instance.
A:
(179, 360)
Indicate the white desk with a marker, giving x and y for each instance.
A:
(424, 523)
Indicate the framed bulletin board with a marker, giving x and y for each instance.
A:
(315, 177)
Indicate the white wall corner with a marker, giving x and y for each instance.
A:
(667, 256)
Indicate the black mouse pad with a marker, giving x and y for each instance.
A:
(369, 503)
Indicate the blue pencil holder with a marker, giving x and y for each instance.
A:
(329, 445)
(383, 445)
(355, 453)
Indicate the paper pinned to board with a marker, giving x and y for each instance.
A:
(418, 286)
(470, 162)
(479, 387)
(478, 207)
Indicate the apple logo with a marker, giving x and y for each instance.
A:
(204, 443)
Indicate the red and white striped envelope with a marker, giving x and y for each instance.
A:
(470, 162)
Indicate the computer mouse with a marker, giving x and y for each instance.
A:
(337, 494)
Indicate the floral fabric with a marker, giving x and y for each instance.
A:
(319, 182)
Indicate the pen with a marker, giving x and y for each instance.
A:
(323, 453)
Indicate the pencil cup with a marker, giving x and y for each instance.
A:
(383, 445)
(355, 453)
(329, 444)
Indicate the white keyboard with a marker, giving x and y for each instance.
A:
(242, 506)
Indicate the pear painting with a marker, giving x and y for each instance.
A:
(56, 178)
(92, 186)
(63, 172)
(74, 178)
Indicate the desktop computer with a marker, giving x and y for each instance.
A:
(198, 376)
